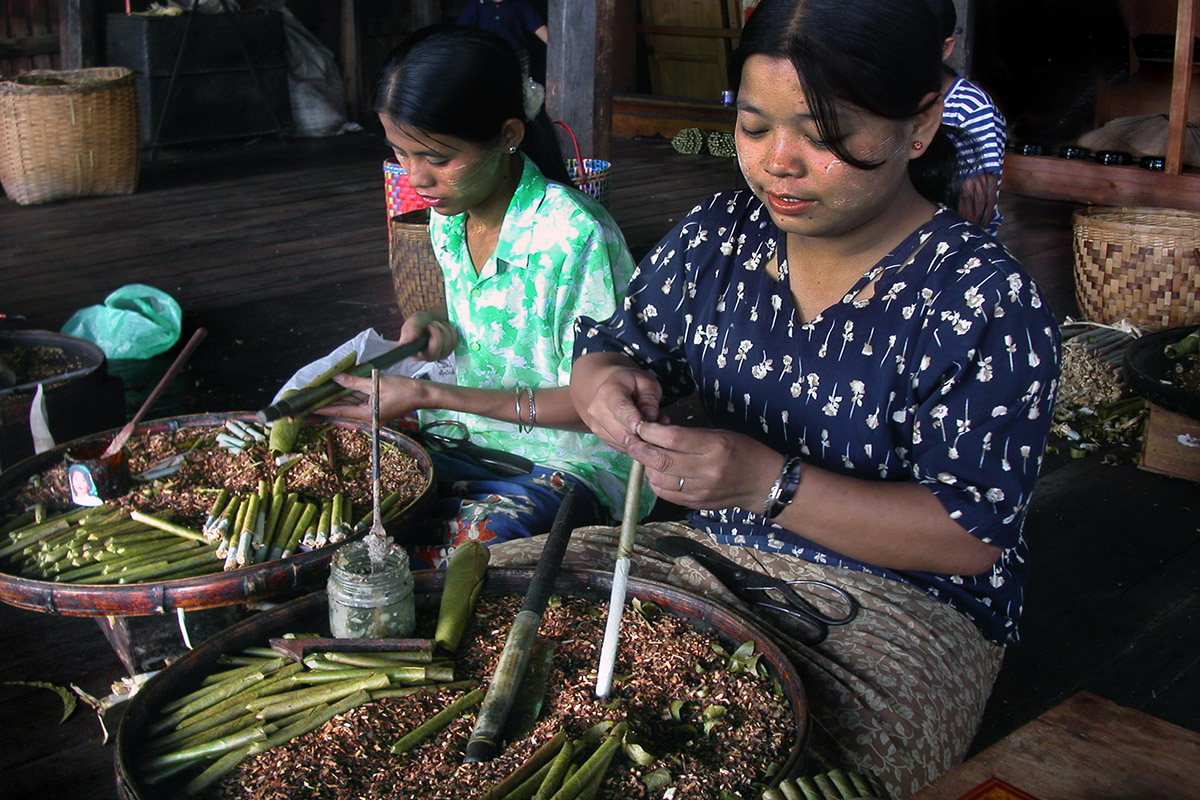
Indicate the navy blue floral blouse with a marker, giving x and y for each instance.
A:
(944, 373)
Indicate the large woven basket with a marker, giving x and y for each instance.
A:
(416, 276)
(1139, 264)
(68, 133)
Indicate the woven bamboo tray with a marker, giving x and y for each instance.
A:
(416, 276)
(1139, 264)
(69, 133)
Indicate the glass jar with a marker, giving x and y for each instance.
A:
(370, 604)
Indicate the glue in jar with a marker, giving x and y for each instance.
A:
(368, 603)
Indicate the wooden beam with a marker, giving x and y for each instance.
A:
(579, 71)
(30, 46)
(1181, 84)
(1087, 182)
(77, 34)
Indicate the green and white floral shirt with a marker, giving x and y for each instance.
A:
(559, 256)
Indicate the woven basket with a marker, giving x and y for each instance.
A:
(1139, 264)
(416, 276)
(69, 133)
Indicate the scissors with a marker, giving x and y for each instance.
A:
(792, 613)
(499, 461)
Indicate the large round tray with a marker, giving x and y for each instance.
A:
(309, 613)
(271, 578)
(1147, 367)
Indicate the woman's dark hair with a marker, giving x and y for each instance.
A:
(884, 56)
(464, 82)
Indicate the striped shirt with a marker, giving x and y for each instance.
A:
(969, 108)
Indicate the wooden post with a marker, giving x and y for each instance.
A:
(426, 12)
(579, 71)
(1181, 84)
(350, 65)
(77, 33)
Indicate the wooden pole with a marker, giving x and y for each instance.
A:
(77, 33)
(1181, 85)
(579, 71)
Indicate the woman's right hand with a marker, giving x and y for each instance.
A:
(397, 396)
(613, 397)
(443, 337)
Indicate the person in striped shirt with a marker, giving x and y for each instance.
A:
(969, 108)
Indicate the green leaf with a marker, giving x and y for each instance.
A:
(67, 696)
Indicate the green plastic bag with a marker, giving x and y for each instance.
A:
(136, 321)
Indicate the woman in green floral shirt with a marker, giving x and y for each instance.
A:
(523, 256)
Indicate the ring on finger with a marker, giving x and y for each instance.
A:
(681, 480)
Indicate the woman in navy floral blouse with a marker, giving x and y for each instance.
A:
(878, 372)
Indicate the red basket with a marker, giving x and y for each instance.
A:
(590, 174)
(399, 195)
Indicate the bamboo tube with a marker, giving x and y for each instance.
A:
(558, 772)
(484, 741)
(595, 766)
(542, 756)
(439, 720)
(616, 602)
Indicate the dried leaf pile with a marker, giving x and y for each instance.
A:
(1094, 411)
(709, 723)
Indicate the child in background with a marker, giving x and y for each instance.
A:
(512, 19)
(970, 109)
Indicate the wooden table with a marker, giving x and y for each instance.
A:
(1087, 748)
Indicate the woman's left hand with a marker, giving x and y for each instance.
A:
(706, 467)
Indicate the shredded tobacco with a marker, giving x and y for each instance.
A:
(659, 662)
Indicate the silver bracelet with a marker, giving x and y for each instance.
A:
(784, 488)
(532, 410)
(517, 398)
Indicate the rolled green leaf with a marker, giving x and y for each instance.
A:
(406, 691)
(209, 748)
(439, 720)
(465, 574)
(594, 768)
(825, 785)
(385, 660)
(164, 525)
(558, 772)
(317, 717)
(810, 789)
(790, 791)
(526, 789)
(861, 787)
(539, 758)
(215, 771)
(289, 704)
